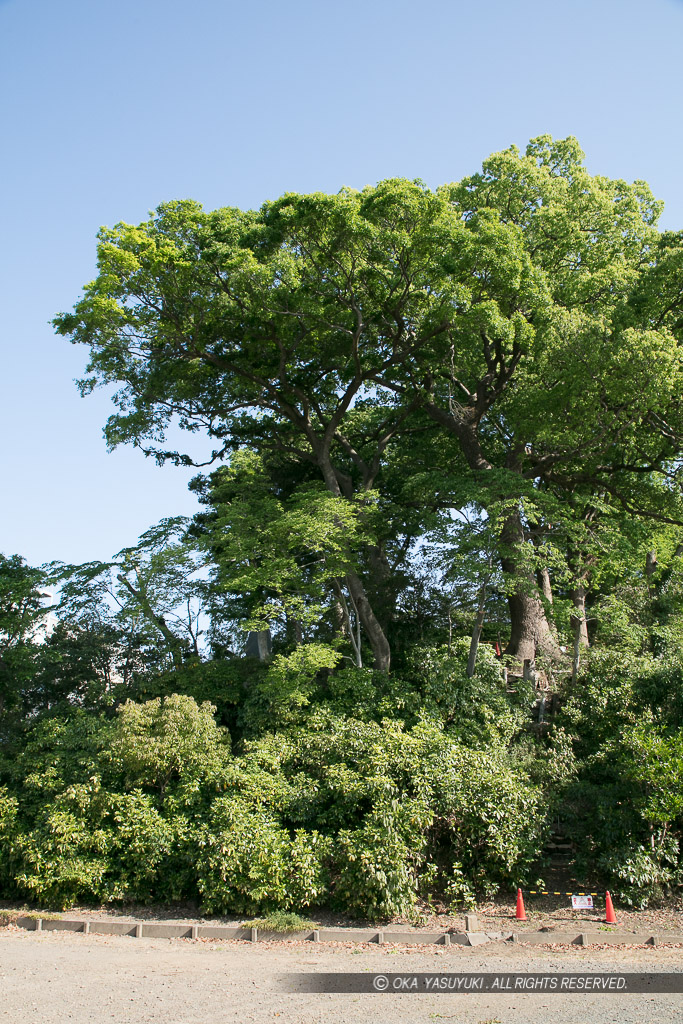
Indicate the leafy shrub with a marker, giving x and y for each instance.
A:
(399, 808)
(364, 816)
(375, 866)
(9, 806)
(63, 857)
(250, 862)
(366, 695)
(108, 810)
(170, 741)
(279, 698)
(624, 810)
(223, 683)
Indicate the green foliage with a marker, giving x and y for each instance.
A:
(279, 698)
(398, 805)
(478, 710)
(23, 612)
(150, 596)
(248, 861)
(8, 815)
(620, 691)
(109, 809)
(433, 686)
(341, 347)
(359, 815)
(284, 922)
(170, 740)
(367, 695)
(63, 855)
(624, 809)
(376, 864)
(283, 548)
(222, 682)
(21, 600)
(95, 846)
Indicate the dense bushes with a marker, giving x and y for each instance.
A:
(372, 813)
(624, 806)
(363, 816)
(107, 809)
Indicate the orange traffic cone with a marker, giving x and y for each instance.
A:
(521, 915)
(610, 916)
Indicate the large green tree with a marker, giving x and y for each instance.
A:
(561, 370)
(515, 314)
(268, 330)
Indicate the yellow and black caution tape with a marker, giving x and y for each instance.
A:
(550, 892)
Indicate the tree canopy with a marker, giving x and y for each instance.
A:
(508, 332)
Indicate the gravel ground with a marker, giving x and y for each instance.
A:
(58, 977)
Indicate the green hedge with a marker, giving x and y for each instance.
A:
(361, 816)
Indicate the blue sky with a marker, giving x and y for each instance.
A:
(109, 108)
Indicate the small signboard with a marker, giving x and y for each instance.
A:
(582, 902)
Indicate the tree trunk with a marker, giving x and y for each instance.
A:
(381, 584)
(294, 629)
(529, 629)
(546, 586)
(476, 632)
(579, 617)
(548, 601)
(580, 627)
(345, 625)
(530, 632)
(378, 642)
(650, 567)
(374, 632)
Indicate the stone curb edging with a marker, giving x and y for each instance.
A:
(179, 930)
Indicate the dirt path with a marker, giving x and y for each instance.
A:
(64, 977)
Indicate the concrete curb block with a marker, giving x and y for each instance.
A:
(183, 930)
(596, 938)
(634, 938)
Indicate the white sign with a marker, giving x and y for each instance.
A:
(582, 902)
